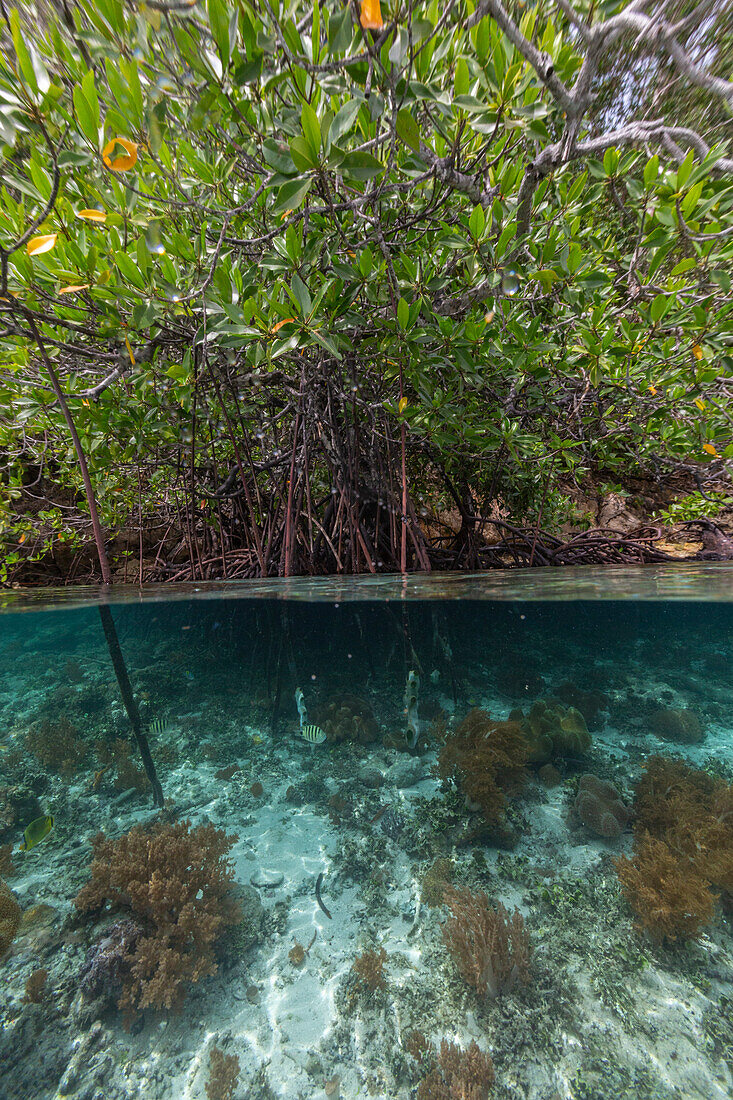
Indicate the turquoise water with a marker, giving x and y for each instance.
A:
(509, 831)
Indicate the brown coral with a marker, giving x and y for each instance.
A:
(487, 759)
(223, 1075)
(438, 875)
(458, 1075)
(369, 969)
(490, 947)
(683, 849)
(682, 726)
(552, 731)
(176, 882)
(669, 897)
(35, 986)
(347, 717)
(600, 808)
(56, 746)
(117, 754)
(10, 914)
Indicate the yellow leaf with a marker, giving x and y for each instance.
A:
(697, 351)
(710, 449)
(129, 351)
(653, 390)
(279, 325)
(700, 404)
(402, 405)
(120, 164)
(371, 15)
(73, 289)
(92, 215)
(37, 245)
(22, 538)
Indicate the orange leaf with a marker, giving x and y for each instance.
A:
(37, 245)
(371, 15)
(697, 351)
(73, 289)
(92, 215)
(279, 325)
(22, 538)
(653, 390)
(120, 164)
(710, 449)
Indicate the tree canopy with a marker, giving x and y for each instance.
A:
(296, 278)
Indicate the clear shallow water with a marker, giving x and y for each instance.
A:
(562, 674)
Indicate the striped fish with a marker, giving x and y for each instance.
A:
(314, 734)
(158, 725)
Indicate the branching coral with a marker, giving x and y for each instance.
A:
(458, 1074)
(369, 969)
(490, 947)
(175, 881)
(667, 895)
(117, 754)
(223, 1075)
(487, 759)
(56, 746)
(600, 808)
(10, 914)
(683, 848)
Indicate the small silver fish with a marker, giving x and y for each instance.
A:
(314, 734)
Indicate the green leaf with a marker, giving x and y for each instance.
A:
(651, 170)
(84, 114)
(24, 59)
(407, 129)
(610, 161)
(340, 31)
(344, 120)
(129, 271)
(361, 165)
(291, 194)
(311, 128)
(303, 156)
(684, 170)
(477, 222)
(461, 80)
(301, 294)
(219, 23)
(403, 314)
(659, 307)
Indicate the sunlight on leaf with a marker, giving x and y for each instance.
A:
(120, 164)
(37, 245)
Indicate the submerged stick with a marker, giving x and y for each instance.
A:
(118, 662)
